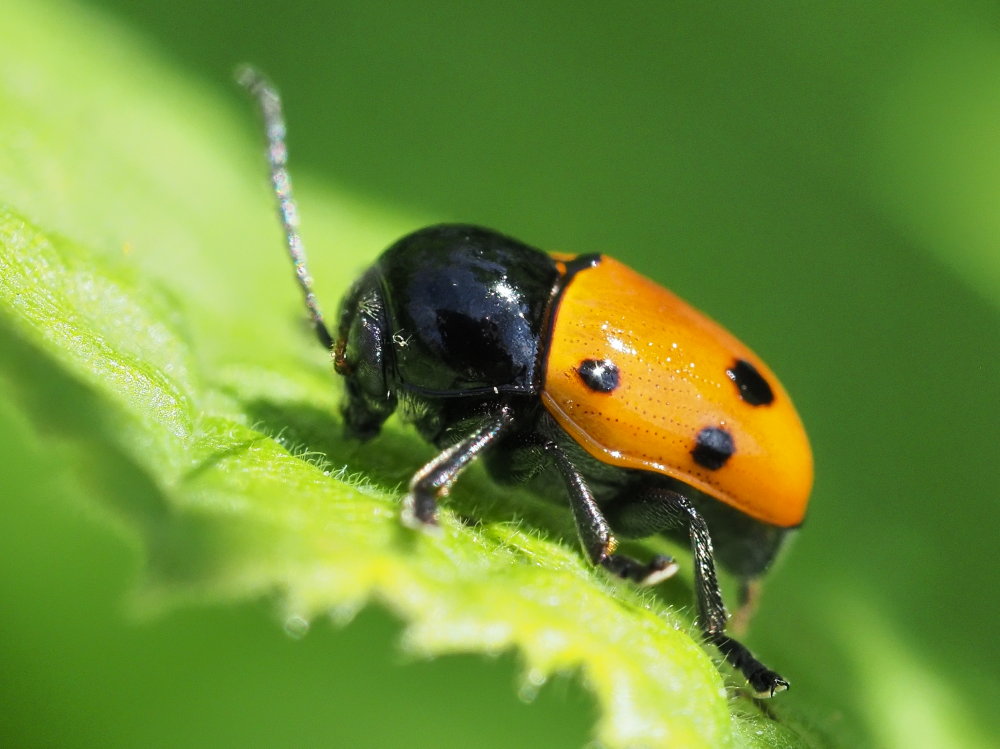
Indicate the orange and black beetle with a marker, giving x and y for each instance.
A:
(655, 418)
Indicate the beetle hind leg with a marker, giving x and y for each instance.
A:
(659, 509)
(595, 533)
(763, 681)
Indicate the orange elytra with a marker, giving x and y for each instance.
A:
(678, 374)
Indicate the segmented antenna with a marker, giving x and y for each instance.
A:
(277, 159)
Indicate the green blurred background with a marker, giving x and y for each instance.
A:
(824, 180)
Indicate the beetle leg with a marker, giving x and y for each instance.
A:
(595, 534)
(435, 479)
(670, 508)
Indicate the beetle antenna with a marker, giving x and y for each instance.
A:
(277, 159)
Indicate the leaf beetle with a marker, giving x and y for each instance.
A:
(653, 416)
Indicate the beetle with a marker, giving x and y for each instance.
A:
(653, 417)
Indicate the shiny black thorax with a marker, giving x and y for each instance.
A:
(469, 306)
(448, 320)
(451, 323)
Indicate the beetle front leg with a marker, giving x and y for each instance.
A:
(435, 479)
(595, 534)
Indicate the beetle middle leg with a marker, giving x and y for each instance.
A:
(596, 537)
(658, 509)
(435, 479)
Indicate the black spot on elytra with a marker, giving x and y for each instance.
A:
(600, 375)
(753, 388)
(714, 447)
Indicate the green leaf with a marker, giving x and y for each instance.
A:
(147, 325)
